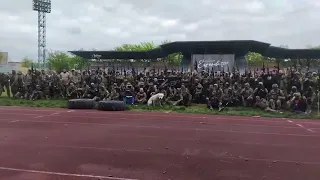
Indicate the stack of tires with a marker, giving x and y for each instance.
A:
(92, 104)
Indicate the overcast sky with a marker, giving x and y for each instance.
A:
(102, 25)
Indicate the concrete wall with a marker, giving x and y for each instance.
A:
(7, 68)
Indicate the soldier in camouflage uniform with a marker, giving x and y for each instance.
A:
(5, 84)
(18, 86)
(297, 103)
(103, 92)
(72, 91)
(308, 96)
(114, 94)
(236, 91)
(185, 96)
(198, 93)
(214, 97)
(290, 96)
(227, 94)
(263, 104)
(36, 93)
(260, 91)
(141, 97)
(247, 93)
(275, 97)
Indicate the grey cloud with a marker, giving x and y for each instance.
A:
(103, 25)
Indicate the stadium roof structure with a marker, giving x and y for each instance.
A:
(237, 47)
(283, 53)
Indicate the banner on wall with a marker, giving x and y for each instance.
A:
(213, 62)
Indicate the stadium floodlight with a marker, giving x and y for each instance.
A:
(42, 7)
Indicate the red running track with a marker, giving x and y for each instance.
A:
(50, 144)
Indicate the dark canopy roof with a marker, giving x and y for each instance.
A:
(215, 47)
(283, 53)
(152, 54)
(239, 47)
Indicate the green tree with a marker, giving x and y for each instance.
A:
(26, 62)
(171, 59)
(76, 62)
(59, 61)
(144, 46)
(254, 59)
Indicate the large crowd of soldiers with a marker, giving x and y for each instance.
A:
(271, 91)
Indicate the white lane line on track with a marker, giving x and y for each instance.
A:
(56, 113)
(171, 128)
(211, 123)
(191, 153)
(37, 117)
(171, 115)
(14, 121)
(71, 111)
(114, 135)
(311, 130)
(176, 115)
(185, 120)
(301, 126)
(62, 174)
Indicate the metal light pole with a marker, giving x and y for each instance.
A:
(42, 7)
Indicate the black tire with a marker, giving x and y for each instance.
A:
(111, 106)
(81, 104)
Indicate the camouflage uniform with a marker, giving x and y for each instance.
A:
(5, 84)
(141, 97)
(263, 104)
(214, 97)
(185, 97)
(290, 96)
(276, 97)
(114, 95)
(236, 91)
(198, 93)
(247, 93)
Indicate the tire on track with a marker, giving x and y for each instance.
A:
(111, 106)
(81, 104)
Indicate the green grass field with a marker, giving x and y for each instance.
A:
(195, 109)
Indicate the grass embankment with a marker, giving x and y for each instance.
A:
(194, 109)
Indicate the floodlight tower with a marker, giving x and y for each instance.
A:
(43, 7)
